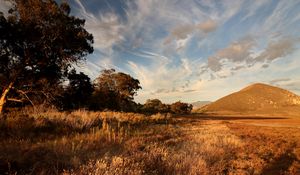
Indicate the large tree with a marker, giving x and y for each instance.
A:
(78, 92)
(39, 41)
(115, 91)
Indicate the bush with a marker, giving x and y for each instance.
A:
(181, 108)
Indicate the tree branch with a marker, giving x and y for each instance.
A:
(15, 100)
(25, 95)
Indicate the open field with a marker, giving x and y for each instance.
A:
(121, 87)
(126, 143)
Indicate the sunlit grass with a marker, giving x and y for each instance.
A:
(83, 142)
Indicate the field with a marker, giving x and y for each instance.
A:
(83, 142)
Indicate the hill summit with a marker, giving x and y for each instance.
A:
(256, 99)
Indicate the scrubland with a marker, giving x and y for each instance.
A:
(83, 142)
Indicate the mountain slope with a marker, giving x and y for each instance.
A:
(256, 99)
(199, 104)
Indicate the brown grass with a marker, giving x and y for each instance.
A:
(52, 141)
(83, 142)
(269, 150)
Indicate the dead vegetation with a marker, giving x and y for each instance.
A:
(83, 142)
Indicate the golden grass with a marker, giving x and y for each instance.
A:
(83, 142)
(49, 142)
(268, 150)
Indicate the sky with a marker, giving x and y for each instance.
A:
(194, 50)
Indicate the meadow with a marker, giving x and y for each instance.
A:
(83, 142)
(55, 62)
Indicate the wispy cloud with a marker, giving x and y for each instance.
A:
(207, 26)
(187, 49)
(106, 28)
(193, 49)
(279, 80)
(243, 53)
(238, 51)
(181, 34)
(163, 78)
(277, 49)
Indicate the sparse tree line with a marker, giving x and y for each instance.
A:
(39, 44)
(156, 106)
(112, 91)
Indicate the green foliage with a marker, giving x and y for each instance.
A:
(79, 91)
(115, 91)
(156, 106)
(181, 108)
(39, 41)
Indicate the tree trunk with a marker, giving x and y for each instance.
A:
(3, 97)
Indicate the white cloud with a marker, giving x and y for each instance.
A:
(162, 79)
(182, 43)
(241, 53)
(106, 28)
(183, 32)
(5, 6)
(238, 51)
(277, 49)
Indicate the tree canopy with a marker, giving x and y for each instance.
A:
(39, 42)
(115, 90)
(154, 106)
(181, 108)
(78, 92)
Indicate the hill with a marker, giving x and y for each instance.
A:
(256, 99)
(199, 104)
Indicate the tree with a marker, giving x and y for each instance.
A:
(181, 108)
(155, 106)
(114, 90)
(78, 92)
(39, 42)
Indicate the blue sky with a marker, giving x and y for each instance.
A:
(194, 50)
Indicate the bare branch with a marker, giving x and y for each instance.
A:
(25, 95)
(15, 100)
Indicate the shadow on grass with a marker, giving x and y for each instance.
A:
(26, 127)
(49, 159)
(280, 164)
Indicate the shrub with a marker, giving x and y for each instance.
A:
(181, 108)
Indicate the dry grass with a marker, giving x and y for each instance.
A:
(85, 142)
(52, 141)
(268, 150)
